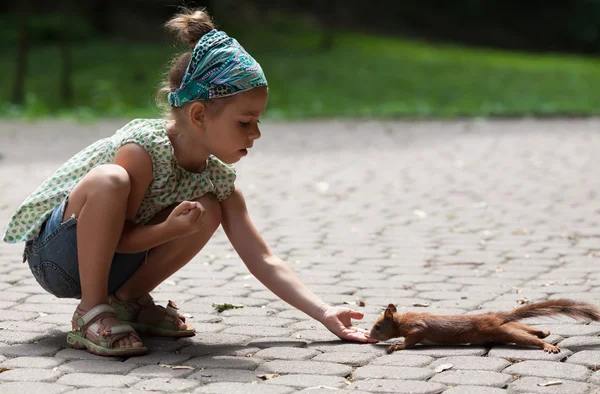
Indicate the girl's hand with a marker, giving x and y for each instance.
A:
(185, 218)
(337, 320)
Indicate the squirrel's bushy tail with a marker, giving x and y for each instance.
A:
(574, 309)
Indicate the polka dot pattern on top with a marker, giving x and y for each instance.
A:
(170, 184)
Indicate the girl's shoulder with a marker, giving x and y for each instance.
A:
(144, 127)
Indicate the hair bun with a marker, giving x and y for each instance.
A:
(190, 25)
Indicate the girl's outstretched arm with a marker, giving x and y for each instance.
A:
(277, 276)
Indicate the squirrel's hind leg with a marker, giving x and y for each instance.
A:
(508, 333)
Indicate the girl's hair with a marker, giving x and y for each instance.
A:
(188, 26)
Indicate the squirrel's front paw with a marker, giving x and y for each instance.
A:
(393, 348)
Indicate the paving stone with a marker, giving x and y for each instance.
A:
(97, 380)
(14, 337)
(202, 328)
(589, 358)
(168, 385)
(477, 378)
(30, 375)
(580, 343)
(391, 372)
(472, 363)
(270, 342)
(530, 385)
(474, 390)
(325, 390)
(224, 375)
(213, 350)
(445, 351)
(595, 379)
(259, 331)
(45, 308)
(286, 353)
(107, 390)
(338, 346)
(549, 369)
(243, 388)
(16, 297)
(158, 358)
(96, 366)
(29, 350)
(315, 335)
(31, 362)
(527, 353)
(31, 326)
(161, 345)
(400, 360)
(264, 321)
(353, 359)
(77, 354)
(304, 367)
(249, 363)
(211, 339)
(398, 386)
(305, 381)
(33, 388)
(158, 371)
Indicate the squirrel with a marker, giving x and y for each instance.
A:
(497, 327)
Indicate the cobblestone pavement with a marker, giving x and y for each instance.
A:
(457, 217)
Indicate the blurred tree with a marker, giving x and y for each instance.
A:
(326, 14)
(18, 92)
(65, 83)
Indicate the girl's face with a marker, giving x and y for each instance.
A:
(231, 132)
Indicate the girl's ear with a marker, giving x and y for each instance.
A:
(197, 114)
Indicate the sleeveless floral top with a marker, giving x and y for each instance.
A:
(170, 183)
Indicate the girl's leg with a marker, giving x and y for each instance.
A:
(99, 202)
(166, 259)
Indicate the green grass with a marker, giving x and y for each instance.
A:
(362, 76)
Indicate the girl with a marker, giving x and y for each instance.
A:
(128, 211)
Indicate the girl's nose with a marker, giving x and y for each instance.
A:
(255, 134)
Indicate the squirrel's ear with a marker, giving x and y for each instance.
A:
(389, 312)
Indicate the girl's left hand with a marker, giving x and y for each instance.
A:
(337, 320)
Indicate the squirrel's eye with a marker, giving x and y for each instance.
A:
(377, 327)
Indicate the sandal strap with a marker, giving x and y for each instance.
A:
(90, 323)
(171, 309)
(99, 312)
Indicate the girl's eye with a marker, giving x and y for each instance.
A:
(244, 124)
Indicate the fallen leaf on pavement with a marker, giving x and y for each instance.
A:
(225, 306)
(176, 366)
(551, 383)
(268, 376)
(443, 367)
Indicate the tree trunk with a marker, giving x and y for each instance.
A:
(18, 93)
(65, 83)
(326, 13)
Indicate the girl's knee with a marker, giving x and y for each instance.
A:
(111, 178)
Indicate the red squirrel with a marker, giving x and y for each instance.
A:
(498, 327)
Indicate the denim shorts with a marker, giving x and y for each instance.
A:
(52, 258)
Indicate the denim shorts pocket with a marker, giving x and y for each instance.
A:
(55, 280)
(56, 231)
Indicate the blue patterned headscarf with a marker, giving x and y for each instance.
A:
(219, 67)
